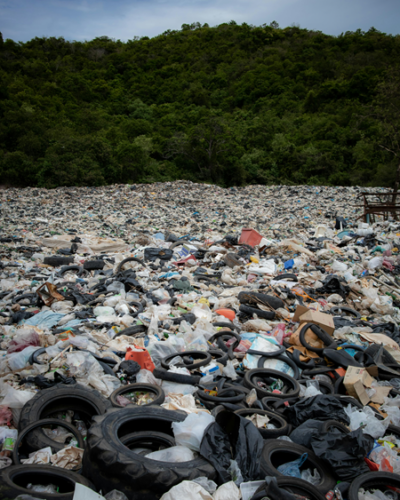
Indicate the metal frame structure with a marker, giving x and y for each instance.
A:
(378, 203)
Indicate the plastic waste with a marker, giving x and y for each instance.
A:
(293, 468)
(175, 454)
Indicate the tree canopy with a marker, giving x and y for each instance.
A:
(231, 104)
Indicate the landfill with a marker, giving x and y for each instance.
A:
(183, 341)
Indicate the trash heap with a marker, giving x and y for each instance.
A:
(180, 341)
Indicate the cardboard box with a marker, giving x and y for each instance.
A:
(357, 380)
(305, 315)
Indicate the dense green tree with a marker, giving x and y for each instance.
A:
(231, 104)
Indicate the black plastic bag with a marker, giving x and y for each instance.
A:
(233, 432)
(332, 284)
(340, 220)
(306, 432)
(321, 407)
(345, 453)
(45, 383)
(152, 254)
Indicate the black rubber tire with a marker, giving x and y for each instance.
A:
(58, 261)
(241, 395)
(276, 405)
(339, 386)
(46, 421)
(132, 331)
(287, 452)
(178, 378)
(301, 364)
(107, 368)
(193, 366)
(230, 325)
(295, 486)
(287, 276)
(33, 357)
(31, 296)
(274, 374)
(129, 259)
(284, 359)
(329, 424)
(59, 398)
(349, 310)
(375, 480)
(139, 306)
(155, 389)
(393, 429)
(14, 479)
(224, 333)
(148, 437)
(321, 334)
(219, 356)
(253, 298)
(66, 269)
(109, 463)
(272, 354)
(93, 265)
(282, 430)
(260, 313)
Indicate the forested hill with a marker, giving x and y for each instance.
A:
(232, 104)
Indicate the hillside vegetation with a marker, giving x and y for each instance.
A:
(232, 104)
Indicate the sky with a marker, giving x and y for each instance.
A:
(80, 20)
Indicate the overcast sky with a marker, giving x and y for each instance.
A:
(22, 20)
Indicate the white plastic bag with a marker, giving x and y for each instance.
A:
(187, 490)
(366, 418)
(228, 491)
(175, 454)
(190, 432)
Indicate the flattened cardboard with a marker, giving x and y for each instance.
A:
(305, 315)
(357, 379)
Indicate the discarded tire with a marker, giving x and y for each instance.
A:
(295, 486)
(154, 389)
(111, 465)
(293, 387)
(15, 479)
(205, 359)
(276, 453)
(150, 440)
(376, 480)
(58, 261)
(41, 423)
(92, 265)
(178, 378)
(87, 402)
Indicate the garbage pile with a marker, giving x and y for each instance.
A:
(180, 341)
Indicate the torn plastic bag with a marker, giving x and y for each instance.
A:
(306, 432)
(20, 342)
(366, 419)
(321, 407)
(233, 437)
(190, 432)
(345, 453)
(187, 490)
